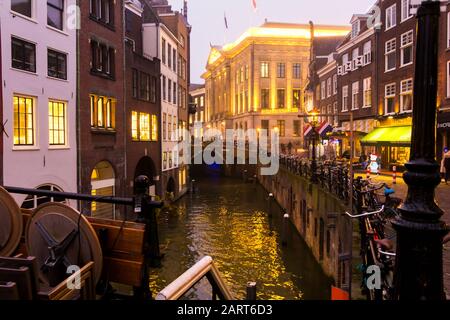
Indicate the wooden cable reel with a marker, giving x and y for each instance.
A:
(60, 237)
(11, 224)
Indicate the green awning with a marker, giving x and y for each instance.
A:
(399, 136)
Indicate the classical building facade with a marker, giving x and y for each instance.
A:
(197, 94)
(142, 103)
(256, 82)
(101, 105)
(38, 67)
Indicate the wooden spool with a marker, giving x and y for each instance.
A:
(59, 221)
(11, 224)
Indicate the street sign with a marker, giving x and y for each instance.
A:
(415, 4)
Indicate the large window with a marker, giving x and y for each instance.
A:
(367, 84)
(23, 121)
(57, 123)
(23, 7)
(103, 11)
(406, 95)
(297, 128)
(406, 56)
(390, 55)
(296, 71)
(57, 64)
(264, 69)
(145, 87)
(367, 52)
(296, 96)
(144, 127)
(281, 98)
(345, 98)
(102, 59)
(154, 133)
(389, 99)
(23, 55)
(265, 98)
(406, 14)
(355, 94)
(102, 112)
(391, 17)
(281, 125)
(163, 51)
(281, 70)
(55, 14)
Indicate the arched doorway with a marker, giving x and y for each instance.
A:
(146, 167)
(103, 184)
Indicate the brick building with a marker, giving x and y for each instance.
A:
(101, 111)
(142, 105)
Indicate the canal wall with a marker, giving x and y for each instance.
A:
(319, 218)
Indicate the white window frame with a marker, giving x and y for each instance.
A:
(387, 96)
(323, 90)
(335, 84)
(356, 28)
(345, 98)
(328, 87)
(367, 52)
(390, 48)
(367, 86)
(406, 11)
(355, 94)
(391, 17)
(406, 92)
(404, 45)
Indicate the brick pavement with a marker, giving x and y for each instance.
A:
(443, 198)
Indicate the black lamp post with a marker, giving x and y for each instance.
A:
(418, 274)
(313, 122)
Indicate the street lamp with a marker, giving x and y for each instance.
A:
(313, 120)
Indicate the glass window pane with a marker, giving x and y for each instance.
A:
(22, 7)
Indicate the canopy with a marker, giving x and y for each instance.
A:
(398, 136)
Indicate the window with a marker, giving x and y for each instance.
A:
(336, 114)
(169, 128)
(163, 51)
(102, 112)
(23, 121)
(135, 79)
(102, 60)
(389, 99)
(103, 11)
(406, 95)
(355, 53)
(367, 53)
(247, 72)
(329, 87)
(367, 84)
(57, 64)
(144, 127)
(323, 90)
(174, 58)
(355, 94)
(32, 202)
(169, 56)
(175, 93)
(345, 98)
(296, 71)
(281, 98)
(241, 74)
(448, 30)
(391, 57)
(281, 70)
(264, 69)
(144, 93)
(57, 123)
(265, 96)
(153, 86)
(281, 125)
(164, 128)
(265, 126)
(169, 91)
(296, 96)
(134, 126)
(345, 59)
(164, 88)
(335, 84)
(23, 55)
(154, 136)
(406, 14)
(406, 53)
(22, 6)
(55, 14)
(297, 128)
(165, 160)
(356, 26)
(391, 17)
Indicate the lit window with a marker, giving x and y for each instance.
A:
(296, 96)
(389, 98)
(281, 125)
(281, 98)
(265, 96)
(23, 121)
(367, 83)
(134, 125)
(406, 95)
(102, 112)
(407, 48)
(57, 123)
(264, 69)
(154, 128)
(144, 127)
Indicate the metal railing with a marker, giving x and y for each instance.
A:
(204, 268)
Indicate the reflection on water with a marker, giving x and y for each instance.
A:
(228, 220)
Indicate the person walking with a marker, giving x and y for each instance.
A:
(447, 166)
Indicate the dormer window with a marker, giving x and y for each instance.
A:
(356, 27)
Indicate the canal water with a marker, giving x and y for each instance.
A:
(228, 220)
